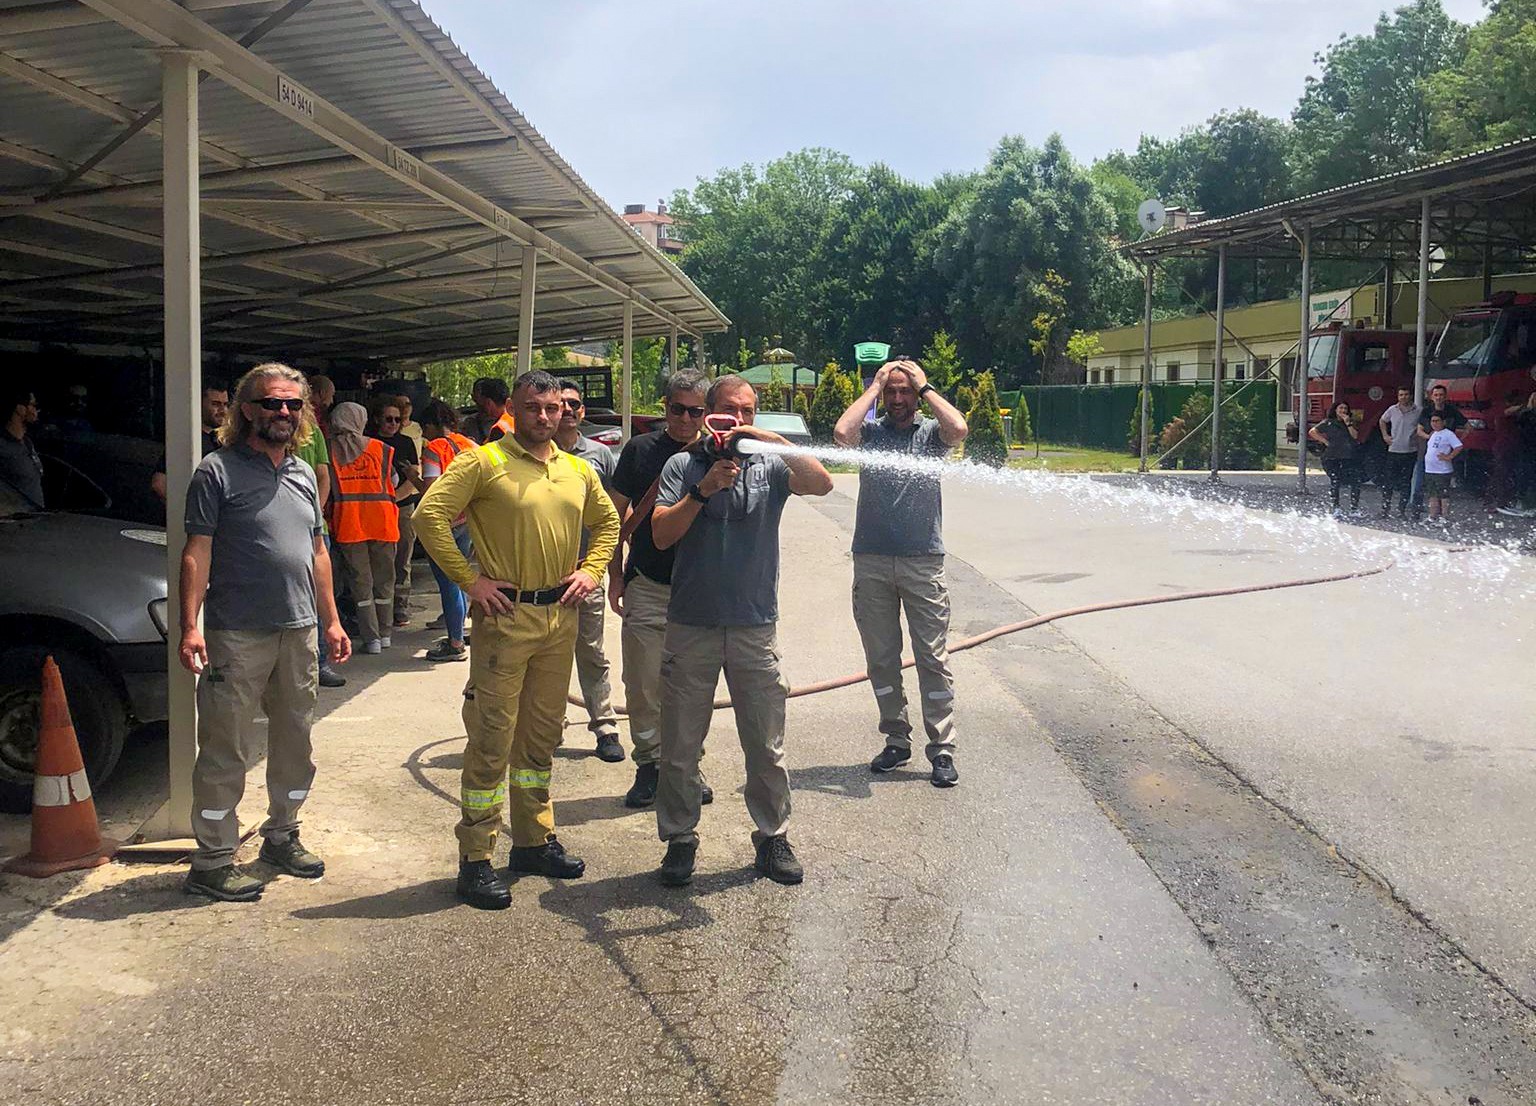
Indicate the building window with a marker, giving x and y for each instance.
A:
(1173, 370)
(1093, 376)
(1240, 371)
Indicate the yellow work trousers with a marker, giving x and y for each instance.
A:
(520, 668)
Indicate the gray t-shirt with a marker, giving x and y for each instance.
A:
(727, 568)
(601, 458)
(900, 514)
(263, 521)
(21, 467)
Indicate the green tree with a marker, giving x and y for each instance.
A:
(941, 361)
(802, 407)
(1031, 210)
(1489, 96)
(554, 357)
(1023, 429)
(1369, 111)
(1133, 432)
(452, 380)
(748, 231)
(985, 442)
(834, 393)
(965, 397)
(774, 393)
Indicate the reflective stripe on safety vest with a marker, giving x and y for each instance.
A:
(527, 778)
(364, 501)
(483, 800)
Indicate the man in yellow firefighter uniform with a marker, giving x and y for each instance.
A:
(526, 503)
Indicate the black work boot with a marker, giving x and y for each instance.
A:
(677, 865)
(944, 774)
(643, 791)
(548, 859)
(481, 885)
(227, 884)
(292, 857)
(890, 758)
(776, 860)
(609, 749)
(707, 795)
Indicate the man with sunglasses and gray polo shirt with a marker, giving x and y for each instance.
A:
(256, 552)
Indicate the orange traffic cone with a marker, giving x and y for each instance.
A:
(64, 831)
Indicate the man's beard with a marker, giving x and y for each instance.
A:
(275, 430)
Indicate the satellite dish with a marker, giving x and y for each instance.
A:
(1151, 215)
(1436, 258)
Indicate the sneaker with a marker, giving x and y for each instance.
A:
(227, 884)
(677, 865)
(445, 651)
(402, 621)
(438, 623)
(329, 677)
(384, 641)
(1338, 512)
(776, 860)
(609, 749)
(374, 647)
(643, 792)
(708, 794)
(891, 758)
(944, 774)
(481, 886)
(548, 859)
(292, 857)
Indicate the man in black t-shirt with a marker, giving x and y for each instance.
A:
(641, 588)
(215, 408)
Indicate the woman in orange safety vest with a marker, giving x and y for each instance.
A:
(364, 520)
(440, 424)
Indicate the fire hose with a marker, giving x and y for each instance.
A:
(1072, 612)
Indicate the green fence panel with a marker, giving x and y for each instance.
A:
(1098, 416)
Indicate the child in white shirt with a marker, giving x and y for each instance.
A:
(1440, 453)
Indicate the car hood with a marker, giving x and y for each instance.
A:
(84, 570)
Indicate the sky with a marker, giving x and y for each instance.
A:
(644, 98)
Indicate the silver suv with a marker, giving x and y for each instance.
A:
(90, 592)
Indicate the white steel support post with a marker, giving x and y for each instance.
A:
(698, 352)
(629, 357)
(183, 410)
(1303, 355)
(672, 350)
(1221, 349)
(529, 276)
(1146, 368)
(1421, 324)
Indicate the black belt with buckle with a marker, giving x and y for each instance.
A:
(546, 598)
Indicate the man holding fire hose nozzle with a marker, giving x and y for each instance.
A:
(898, 561)
(720, 505)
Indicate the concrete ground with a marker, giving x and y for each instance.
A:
(1267, 849)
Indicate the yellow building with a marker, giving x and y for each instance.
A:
(1184, 349)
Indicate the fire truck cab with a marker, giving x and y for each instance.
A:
(1360, 366)
(1486, 358)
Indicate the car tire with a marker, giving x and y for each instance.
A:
(95, 706)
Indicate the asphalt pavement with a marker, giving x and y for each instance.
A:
(1192, 859)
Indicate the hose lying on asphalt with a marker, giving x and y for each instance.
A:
(1070, 612)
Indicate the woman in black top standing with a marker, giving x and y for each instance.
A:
(1339, 436)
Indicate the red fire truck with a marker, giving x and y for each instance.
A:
(1486, 358)
(1362, 367)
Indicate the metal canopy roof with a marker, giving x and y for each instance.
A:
(366, 191)
(1485, 201)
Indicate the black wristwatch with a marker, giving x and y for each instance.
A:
(695, 494)
(925, 389)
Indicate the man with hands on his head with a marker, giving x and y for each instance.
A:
(526, 503)
(898, 561)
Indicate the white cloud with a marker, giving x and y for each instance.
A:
(642, 99)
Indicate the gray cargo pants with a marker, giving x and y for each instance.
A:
(882, 587)
(403, 550)
(250, 672)
(644, 633)
(371, 565)
(592, 665)
(690, 669)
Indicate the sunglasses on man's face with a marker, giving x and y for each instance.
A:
(572, 404)
(272, 403)
(681, 409)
